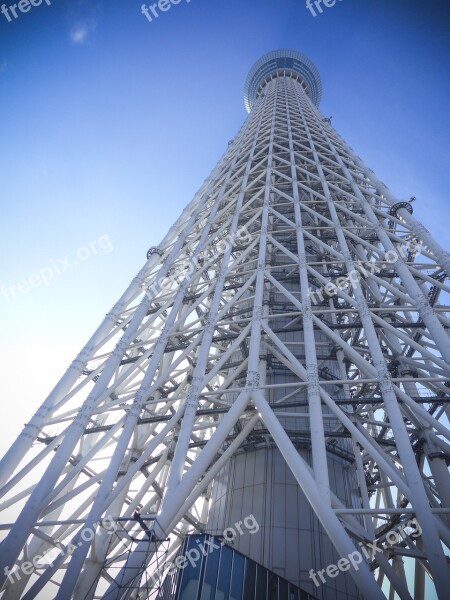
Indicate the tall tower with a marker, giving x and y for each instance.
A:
(282, 355)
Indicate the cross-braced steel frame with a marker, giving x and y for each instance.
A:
(180, 375)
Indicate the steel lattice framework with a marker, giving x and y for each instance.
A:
(182, 373)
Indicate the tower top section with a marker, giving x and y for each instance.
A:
(283, 63)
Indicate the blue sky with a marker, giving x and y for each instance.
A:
(109, 124)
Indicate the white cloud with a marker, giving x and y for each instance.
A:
(78, 33)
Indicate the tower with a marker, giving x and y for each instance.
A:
(282, 357)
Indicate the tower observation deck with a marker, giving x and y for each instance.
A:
(279, 367)
(282, 63)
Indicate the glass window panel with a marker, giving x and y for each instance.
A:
(261, 583)
(223, 581)
(249, 580)
(210, 578)
(283, 589)
(294, 592)
(169, 586)
(272, 588)
(237, 577)
(190, 575)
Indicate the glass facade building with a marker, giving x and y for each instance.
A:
(216, 571)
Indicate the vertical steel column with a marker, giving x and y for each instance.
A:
(184, 436)
(363, 577)
(320, 462)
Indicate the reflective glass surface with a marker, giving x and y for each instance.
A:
(283, 590)
(272, 586)
(211, 570)
(210, 577)
(224, 579)
(190, 574)
(249, 580)
(237, 579)
(261, 582)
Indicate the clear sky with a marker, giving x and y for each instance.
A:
(109, 123)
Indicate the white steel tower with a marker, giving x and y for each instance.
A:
(284, 353)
